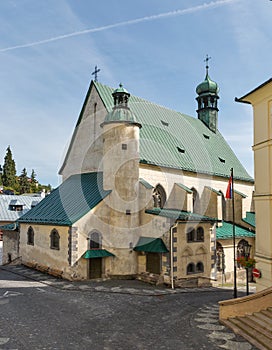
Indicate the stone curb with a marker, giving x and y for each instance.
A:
(71, 286)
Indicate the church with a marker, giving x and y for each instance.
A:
(142, 193)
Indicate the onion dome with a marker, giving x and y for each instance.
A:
(207, 86)
(121, 111)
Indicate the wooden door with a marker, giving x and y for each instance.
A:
(95, 268)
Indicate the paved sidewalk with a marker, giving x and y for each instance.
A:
(108, 286)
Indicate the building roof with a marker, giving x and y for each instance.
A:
(9, 227)
(180, 215)
(9, 202)
(226, 231)
(185, 188)
(245, 99)
(175, 140)
(213, 190)
(146, 184)
(65, 205)
(250, 218)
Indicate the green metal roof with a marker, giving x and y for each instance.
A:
(121, 115)
(9, 227)
(240, 194)
(179, 215)
(187, 189)
(250, 218)
(150, 245)
(226, 231)
(175, 140)
(97, 253)
(65, 205)
(146, 184)
(213, 190)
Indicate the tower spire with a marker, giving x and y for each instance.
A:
(207, 100)
(207, 61)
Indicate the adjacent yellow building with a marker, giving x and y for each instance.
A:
(261, 101)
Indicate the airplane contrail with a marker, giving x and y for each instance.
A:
(120, 24)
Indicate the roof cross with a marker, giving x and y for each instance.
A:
(95, 73)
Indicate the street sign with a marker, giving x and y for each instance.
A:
(256, 273)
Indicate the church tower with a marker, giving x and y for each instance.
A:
(121, 152)
(207, 101)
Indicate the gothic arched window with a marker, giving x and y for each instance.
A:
(159, 196)
(241, 249)
(220, 257)
(54, 239)
(30, 236)
(195, 200)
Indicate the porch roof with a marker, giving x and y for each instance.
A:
(150, 245)
(97, 253)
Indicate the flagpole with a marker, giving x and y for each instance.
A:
(233, 238)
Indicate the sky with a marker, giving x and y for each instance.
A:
(156, 48)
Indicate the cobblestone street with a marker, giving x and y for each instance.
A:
(41, 312)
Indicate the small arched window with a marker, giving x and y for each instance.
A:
(199, 267)
(30, 236)
(190, 268)
(54, 239)
(95, 240)
(190, 234)
(200, 234)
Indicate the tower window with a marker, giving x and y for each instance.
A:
(124, 146)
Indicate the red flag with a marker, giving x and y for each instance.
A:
(229, 189)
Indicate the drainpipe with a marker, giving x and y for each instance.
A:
(172, 255)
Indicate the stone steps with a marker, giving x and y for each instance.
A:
(255, 328)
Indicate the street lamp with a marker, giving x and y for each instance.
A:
(247, 248)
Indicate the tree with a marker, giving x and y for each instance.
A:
(9, 170)
(34, 182)
(24, 182)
